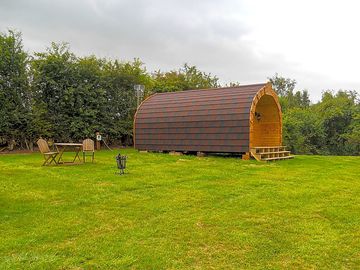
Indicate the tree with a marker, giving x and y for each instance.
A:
(339, 112)
(53, 85)
(282, 86)
(186, 78)
(118, 80)
(80, 96)
(353, 134)
(289, 98)
(303, 131)
(15, 100)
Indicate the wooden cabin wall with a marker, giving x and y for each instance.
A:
(267, 130)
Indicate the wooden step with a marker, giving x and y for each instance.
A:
(269, 153)
(268, 149)
(279, 152)
(277, 158)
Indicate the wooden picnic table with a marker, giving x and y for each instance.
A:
(61, 147)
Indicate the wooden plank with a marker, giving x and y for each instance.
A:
(258, 147)
(255, 155)
(277, 152)
(175, 153)
(277, 158)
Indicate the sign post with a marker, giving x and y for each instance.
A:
(98, 139)
(139, 91)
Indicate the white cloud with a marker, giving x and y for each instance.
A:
(314, 42)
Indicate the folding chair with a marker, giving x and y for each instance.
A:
(49, 156)
(88, 147)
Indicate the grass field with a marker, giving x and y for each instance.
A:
(180, 212)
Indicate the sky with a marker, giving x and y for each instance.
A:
(317, 43)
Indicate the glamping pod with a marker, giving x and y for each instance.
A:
(244, 119)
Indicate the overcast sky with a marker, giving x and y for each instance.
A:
(315, 42)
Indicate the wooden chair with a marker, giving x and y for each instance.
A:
(88, 147)
(49, 156)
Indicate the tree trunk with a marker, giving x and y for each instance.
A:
(26, 143)
(31, 146)
(11, 144)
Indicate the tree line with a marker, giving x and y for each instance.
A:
(328, 127)
(56, 94)
(60, 96)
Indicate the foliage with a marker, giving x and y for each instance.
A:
(14, 89)
(303, 131)
(85, 95)
(282, 86)
(57, 95)
(188, 77)
(289, 98)
(171, 212)
(119, 79)
(53, 82)
(339, 115)
(330, 126)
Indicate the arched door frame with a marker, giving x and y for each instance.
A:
(266, 90)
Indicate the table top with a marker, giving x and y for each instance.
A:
(68, 144)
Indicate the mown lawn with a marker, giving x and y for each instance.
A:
(180, 212)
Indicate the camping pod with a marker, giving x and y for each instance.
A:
(243, 119)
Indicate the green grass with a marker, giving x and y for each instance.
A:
(180, 212)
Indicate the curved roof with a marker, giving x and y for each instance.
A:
(211, 120)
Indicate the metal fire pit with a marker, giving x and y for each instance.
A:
(121, 163)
